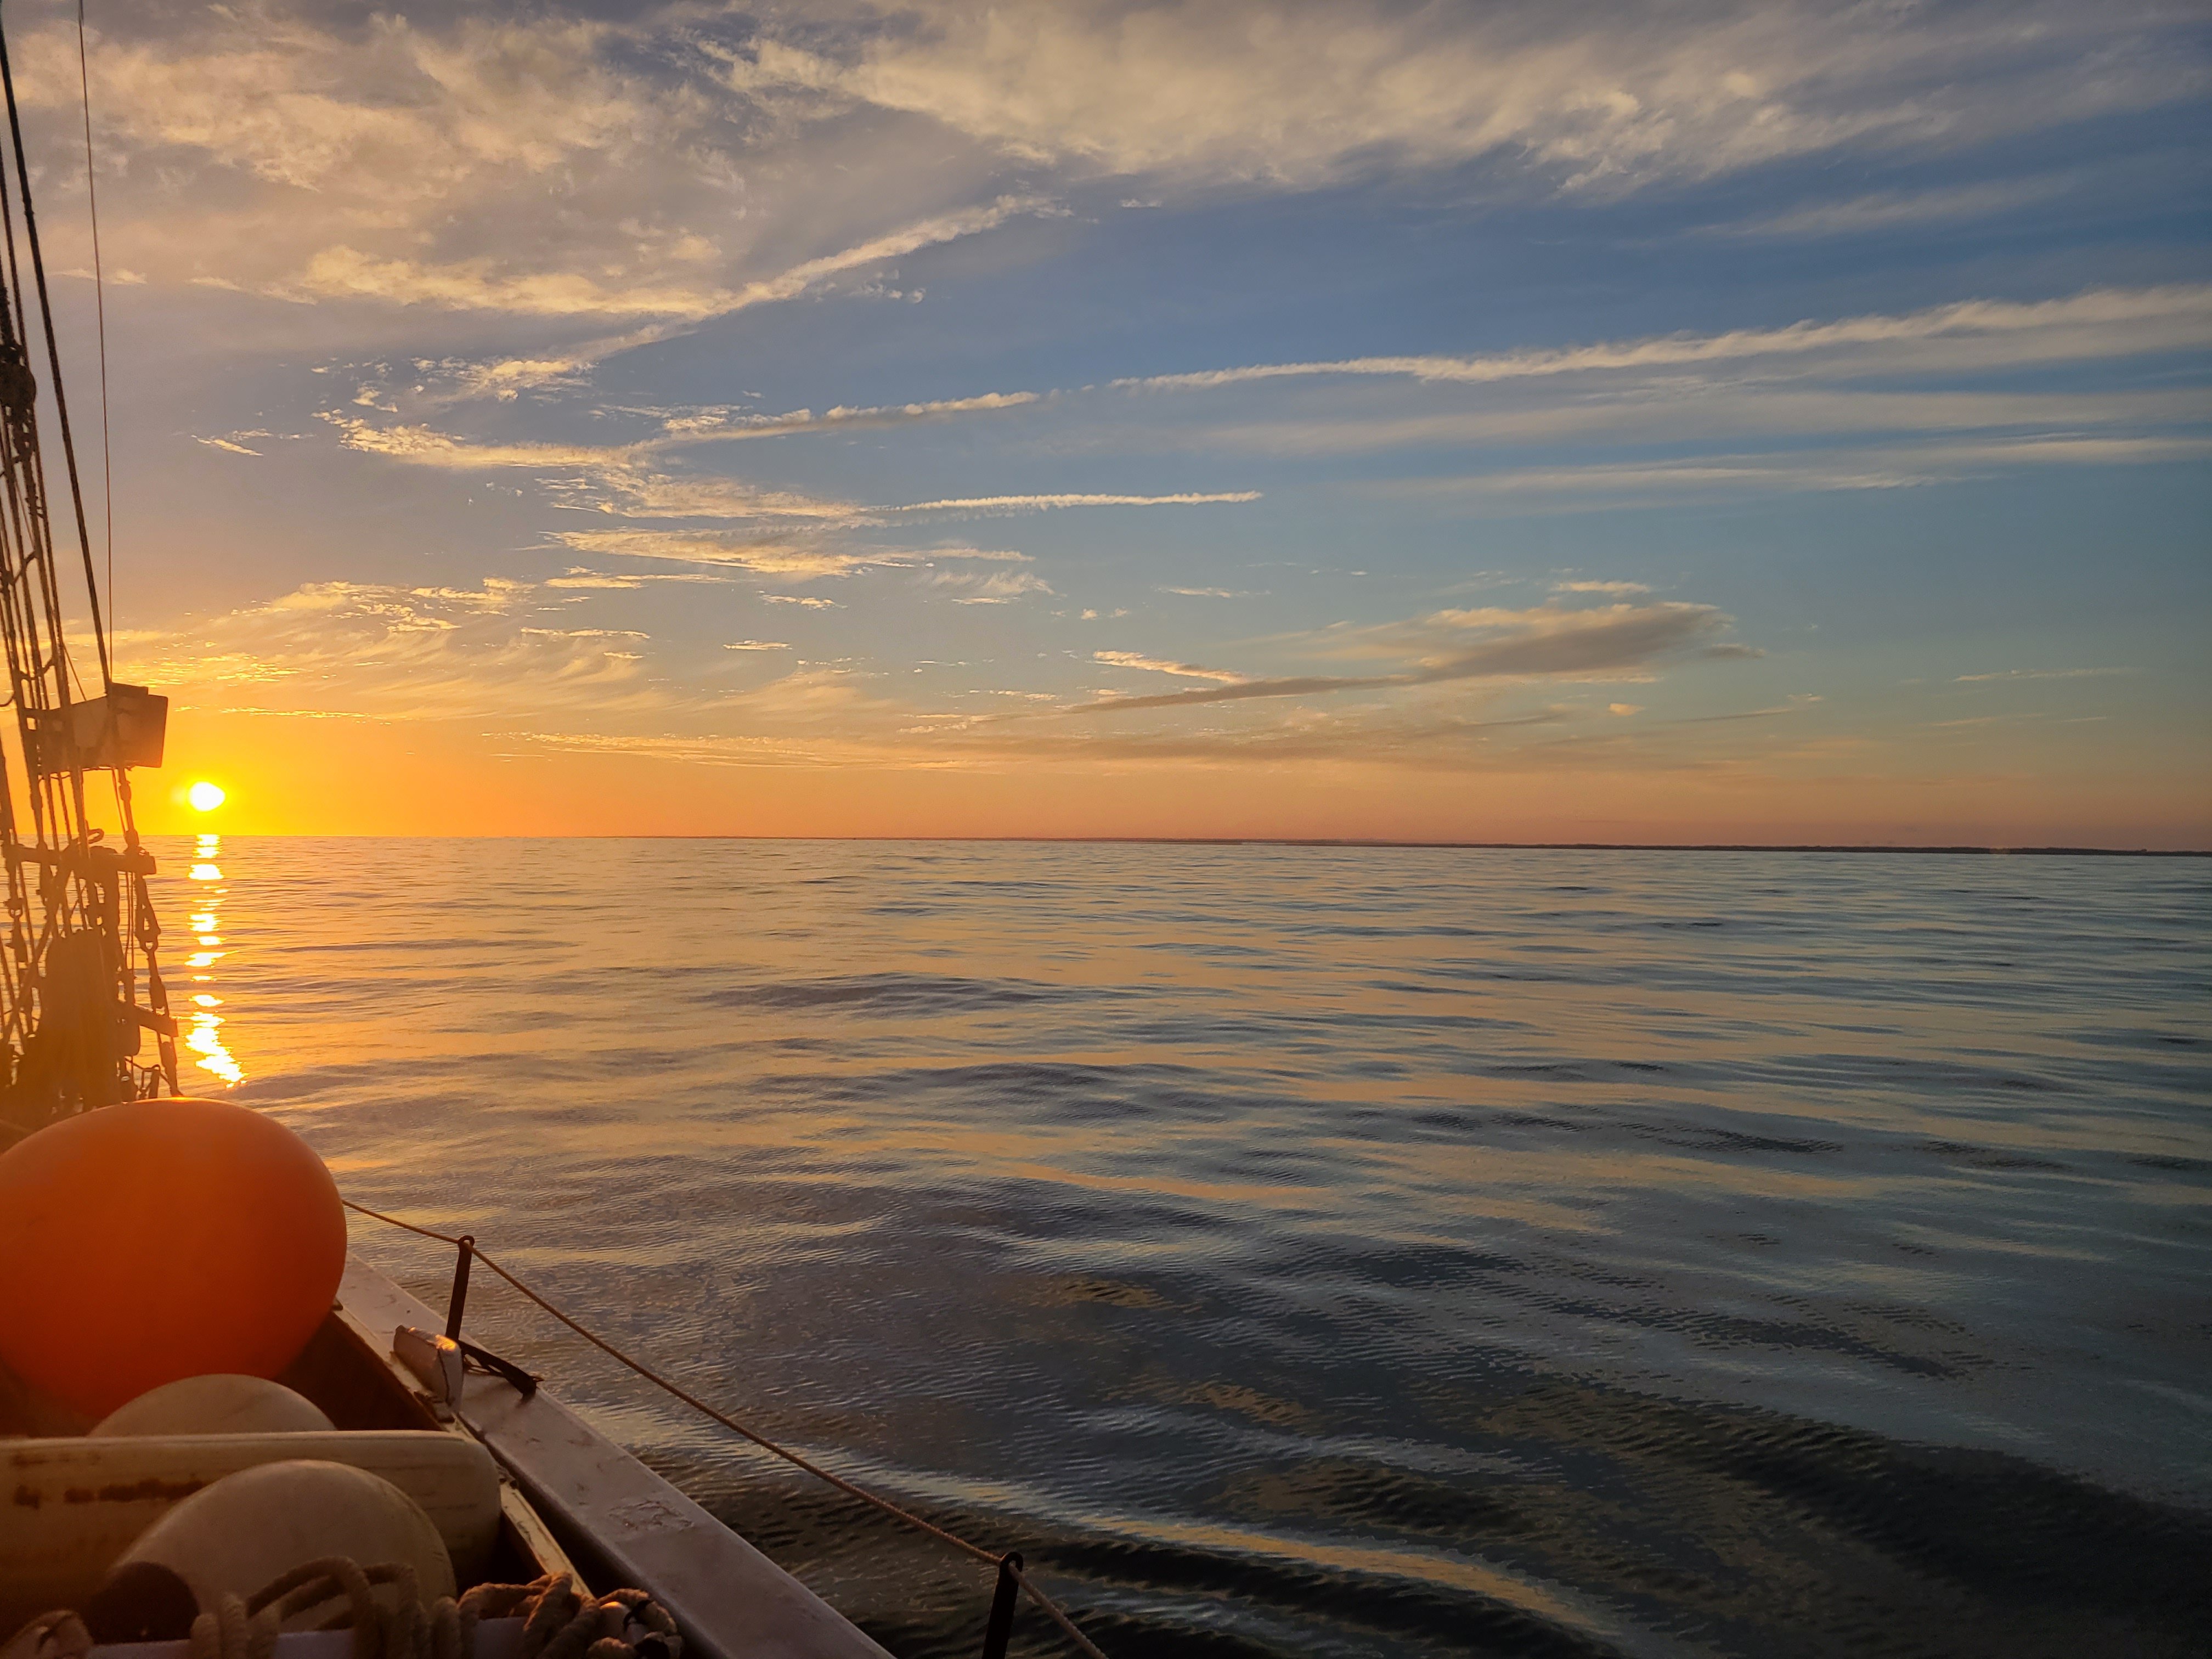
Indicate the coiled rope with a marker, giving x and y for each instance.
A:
(559, 1621)
(1007, 1564)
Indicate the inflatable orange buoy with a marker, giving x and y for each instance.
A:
(161, 1239)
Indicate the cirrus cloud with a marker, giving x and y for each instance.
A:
(1447, 646)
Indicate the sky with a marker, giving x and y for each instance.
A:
(1675, 422)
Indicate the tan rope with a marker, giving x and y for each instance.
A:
(1044, 1602)
(559, 1621)
(1053, 1610)
(58, 1635)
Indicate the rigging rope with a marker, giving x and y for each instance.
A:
(54, 361)
(99, 309)
(1044, 1603)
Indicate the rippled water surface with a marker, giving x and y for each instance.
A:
(1316, 1251)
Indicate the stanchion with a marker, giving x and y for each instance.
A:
(459, 1298)
(1000, 1630)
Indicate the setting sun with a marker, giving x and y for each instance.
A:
(204, 797)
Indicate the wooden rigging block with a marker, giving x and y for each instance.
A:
(126, 727)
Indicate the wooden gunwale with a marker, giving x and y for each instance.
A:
(595, 1500)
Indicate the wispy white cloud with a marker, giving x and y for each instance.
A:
(1747, 384)
(1045, 503)
(578, 187)
(1772, 711)
(494, 653)
(507, 378)
(803, 557)
(1451, 645)
(620, 479)
(1467, 736)
(480, 285)
(1213, 91)
(1880, 209)
(2044, 674)
(419, 446)
(400, 653)
(987, 586)
(1623, 483)
(2101, 323)
(984, 555)
(730, 426)
(1671, 382)
(577, 576)
(614, 482)
(1163, 665)
(483, 283)
(762, 556)
(1682, 409)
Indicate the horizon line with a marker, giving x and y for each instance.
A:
(1919, 847)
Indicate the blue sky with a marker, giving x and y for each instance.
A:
(1669, 422)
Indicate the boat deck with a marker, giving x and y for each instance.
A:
(611, 1515)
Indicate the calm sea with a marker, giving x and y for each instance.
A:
(1315, 1251)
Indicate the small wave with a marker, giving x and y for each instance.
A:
(910, 994)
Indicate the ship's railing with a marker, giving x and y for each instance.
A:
(1012, 1580)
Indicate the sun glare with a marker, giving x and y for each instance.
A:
(204, 797)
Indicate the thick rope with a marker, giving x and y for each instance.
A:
(58, 1635)
(559, 1621)
(1050, 1607)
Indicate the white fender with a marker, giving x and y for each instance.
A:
(69, 1508)
(221, 1404)
(248, 1530)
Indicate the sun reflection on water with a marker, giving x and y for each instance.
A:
(203, 1035)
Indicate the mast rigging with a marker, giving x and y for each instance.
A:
(81, 936)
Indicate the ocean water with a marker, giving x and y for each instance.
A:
(1312, 1251)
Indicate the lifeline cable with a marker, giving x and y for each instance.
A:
(1050, 1607)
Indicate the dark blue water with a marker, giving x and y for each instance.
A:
(1318, 1251)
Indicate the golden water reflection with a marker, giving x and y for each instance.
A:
(203, 1035)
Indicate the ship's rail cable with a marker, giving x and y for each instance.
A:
(100, 311)
(1045, 1603)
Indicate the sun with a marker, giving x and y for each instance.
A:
(205, 796)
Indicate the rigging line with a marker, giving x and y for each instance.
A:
(100, 310)
(12, 320)
(698, 1405)
(54, 361)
